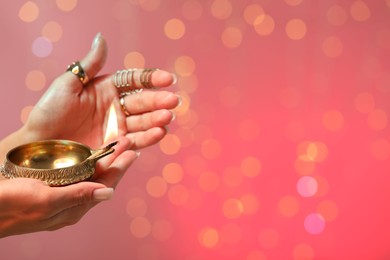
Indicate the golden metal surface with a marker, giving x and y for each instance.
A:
(56, 162)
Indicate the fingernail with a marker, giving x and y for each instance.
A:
(174, 81)
(173, 116)
(180, 100)
(138, 153)
(103, 194)
(96, 40)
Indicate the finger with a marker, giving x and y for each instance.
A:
(143, 122)
(148, 101)
(130, 79)
(92, 63)
(117, 169)
(110, 169)
(147, 138)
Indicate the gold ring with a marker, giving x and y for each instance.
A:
(123, 107)
(132, 81)
(78, 70)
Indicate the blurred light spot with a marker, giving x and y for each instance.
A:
(231, 37)
(232, 208)
(156, 186)
(248, 129)
(380, 149)
(288, 206)
(136, 207)
(229, 96)
(253, 12)
(268, 238)
(264, 25)
(192, 10)
(336, 15)
(150, 5)
(140, 227)
(170, 144)
(208, 181)
(184, 66)
(303, 252)
(52, 31)
(184, 106)
(25, 113)
(360, 11)
(290, 97)
(312, 151)
(231, 234)
(250, 204)
(29, 12)
(314, 223)
(328, 210)
(162, 230)
(134, 60)
(66, 5)
(296, 29)
(35, 80)
(333, 120)
(332, 47)
(377, 119)
(250, 166)
(189, 118)
(188, 84)
(365, 102)
(173, 173)
(42, 47)
(174, 29)
(211, 149)
(306, 167)
(307, 186)
(208, 237)
(178, 195)
(232, 176)
(221, 9)
(293, 2)
(256, 255)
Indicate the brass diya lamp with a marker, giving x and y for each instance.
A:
(56, 162)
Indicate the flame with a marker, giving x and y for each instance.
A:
(112, 125)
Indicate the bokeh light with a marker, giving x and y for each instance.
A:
(35, 80)
(232, 208)
(29, 12)
(377, 119)
(360, 11)
(173, 173)
(134, 59)
(264, 25)
(140, 227)
(296, 29)
(221, 9)
(333, 120)
(328, 210)
(42, 47)
(156, 186)
(251, 166)
(136, 207)
(303, 251)
(209, 237)
(231, 37)
(380, 149)
(288, 206)
(307, 186)
(209, 181)
(66, 5)
(52, 31)
(174, 29)
(314, 223)
(170, 144)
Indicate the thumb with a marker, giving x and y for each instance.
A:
(92, 63)
(79, 194)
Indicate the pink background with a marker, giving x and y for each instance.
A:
(280, 150)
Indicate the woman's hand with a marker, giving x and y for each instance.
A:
(69, 110)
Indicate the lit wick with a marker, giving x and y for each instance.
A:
(112, 125)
